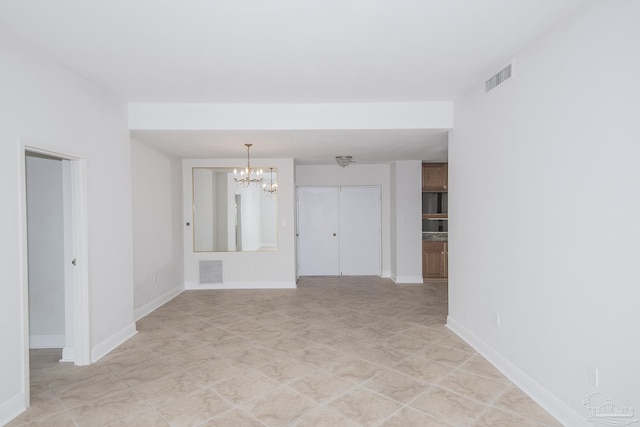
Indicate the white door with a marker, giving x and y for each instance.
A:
(360, 231)
(75, 293)
(318, 209)
(339, 231)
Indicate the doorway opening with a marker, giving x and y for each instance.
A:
(55, 283)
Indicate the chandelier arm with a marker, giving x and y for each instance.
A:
(247, 180)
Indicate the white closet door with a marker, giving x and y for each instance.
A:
(318, 209)
(360, 231)
(339, 231)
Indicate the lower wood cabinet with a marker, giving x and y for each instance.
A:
(434, 260)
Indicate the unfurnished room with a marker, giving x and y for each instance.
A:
(337, 213)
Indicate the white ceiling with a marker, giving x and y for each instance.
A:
(283, 51)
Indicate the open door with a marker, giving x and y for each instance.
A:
(54, 256)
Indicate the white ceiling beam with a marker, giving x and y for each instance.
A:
(175, 116)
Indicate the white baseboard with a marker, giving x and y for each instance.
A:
(68, 354)
(386, 274)
(157, 302)
(245, 285)
(12, 408)
(46, 341)
(407, 279)
(543, 397)
(102, 349)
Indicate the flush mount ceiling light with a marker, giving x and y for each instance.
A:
(248, 175)
(271, 188)
(344, 161)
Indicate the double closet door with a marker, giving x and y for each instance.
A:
(339, 231)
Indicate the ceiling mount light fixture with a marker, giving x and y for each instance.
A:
(271, 188)
(248, 175)
(344, 161)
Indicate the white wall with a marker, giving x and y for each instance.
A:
(45, 105)
(527, 241)
(334, 175)
(393, 218)
(157, 228)
(406, 221)
(401, 209)
(257, 269)
(45, 224)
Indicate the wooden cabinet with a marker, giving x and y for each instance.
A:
(435, 210)
(434, 260)
(435, 177)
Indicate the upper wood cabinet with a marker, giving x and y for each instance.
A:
(435, 177)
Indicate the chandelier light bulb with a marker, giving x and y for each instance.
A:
(248, 175)
(270, 188)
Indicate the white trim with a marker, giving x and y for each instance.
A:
(543, 397)
(203, 116)
(245, 285)
(68, 354)
(12, 408)
(386, 274)
(24, 283)
(106, 346)
(157, 302)
(81, 297)
(46, 341)
(408, 279)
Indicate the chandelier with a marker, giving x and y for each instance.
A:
(248, 175)
(271, 188)
(344, 161)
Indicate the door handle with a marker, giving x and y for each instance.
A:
(334, 234)
(73, 261)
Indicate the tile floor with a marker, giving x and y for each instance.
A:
(335, 352)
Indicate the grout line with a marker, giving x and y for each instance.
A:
(196, 307)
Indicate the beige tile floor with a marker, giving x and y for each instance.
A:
(334, 352)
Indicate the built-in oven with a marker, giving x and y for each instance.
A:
(435, 211)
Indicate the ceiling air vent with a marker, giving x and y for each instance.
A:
(494, 81)
(210, 272)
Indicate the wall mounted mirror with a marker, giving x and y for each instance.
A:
(228, 217)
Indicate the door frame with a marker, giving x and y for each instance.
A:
(78, 281)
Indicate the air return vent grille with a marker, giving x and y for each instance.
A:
(497, 79)
(210, 272)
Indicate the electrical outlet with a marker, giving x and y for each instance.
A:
(592, 376)
(498, 320)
